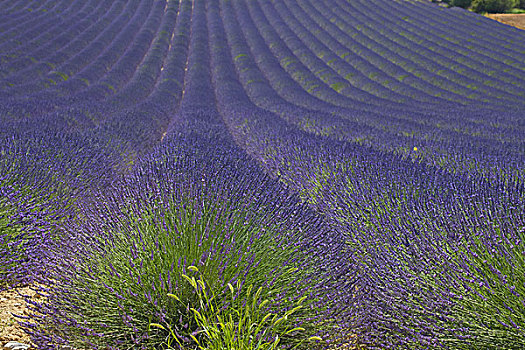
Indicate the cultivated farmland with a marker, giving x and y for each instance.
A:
(262, 174)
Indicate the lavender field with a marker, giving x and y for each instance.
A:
(262, 174)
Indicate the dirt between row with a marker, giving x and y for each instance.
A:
(13, 303)
(515, 20)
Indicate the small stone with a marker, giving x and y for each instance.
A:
(14, 345)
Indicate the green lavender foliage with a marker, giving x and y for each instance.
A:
(137, 241)
(237, 322)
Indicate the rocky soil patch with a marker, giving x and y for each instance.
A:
(11, 334)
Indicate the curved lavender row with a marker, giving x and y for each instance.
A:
(268, 65)
(460, 66)
(142, 126)
(55, 36)
(10, 7)
(97, 68)
(300, 69)
(159, 103)
(256, 130)
(334, 130)
(424, 65)
(344, 46)
(269, 29)
(44, 59)
(336, 55)
(261, 93)
(78, 62)
(257, 87)
(296, 69)
(486, 31)
(473, 64)
(128, 62)
(454, 57)
(12, 16)
(481, 147)
(380, 58)
(79, 42)
(101, 43)
(480, 49)
(451, 114)
(312, 11)
(290, 28)
(270, 68)
(380, 89)
(328, 124)
(49, 101)
(155, 107)
(47, 32)
(19, 6)
(169, 86)
(335, 58)
(148, 72)
(33, 20)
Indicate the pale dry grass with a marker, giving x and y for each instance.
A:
(515, 20)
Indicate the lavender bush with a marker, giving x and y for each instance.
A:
(132, 248)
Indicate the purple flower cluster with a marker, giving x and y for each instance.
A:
(368, 155)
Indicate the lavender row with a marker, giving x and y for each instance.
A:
(32, 19)
(46, 32)
(128, 61)
(327, 124)
(344, 46)
(486, 31)
(12, 15)
(18, 6)
(477, 49)
(86, 56)
(338, 58)
(262, 94)
(104, 62)
(53, 62)
(474, 64)
(148, 71)
(216, 188)
(381, 89)
(423, 64)
(381, 300)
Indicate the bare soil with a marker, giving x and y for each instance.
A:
(515, 20)
(11, 302)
